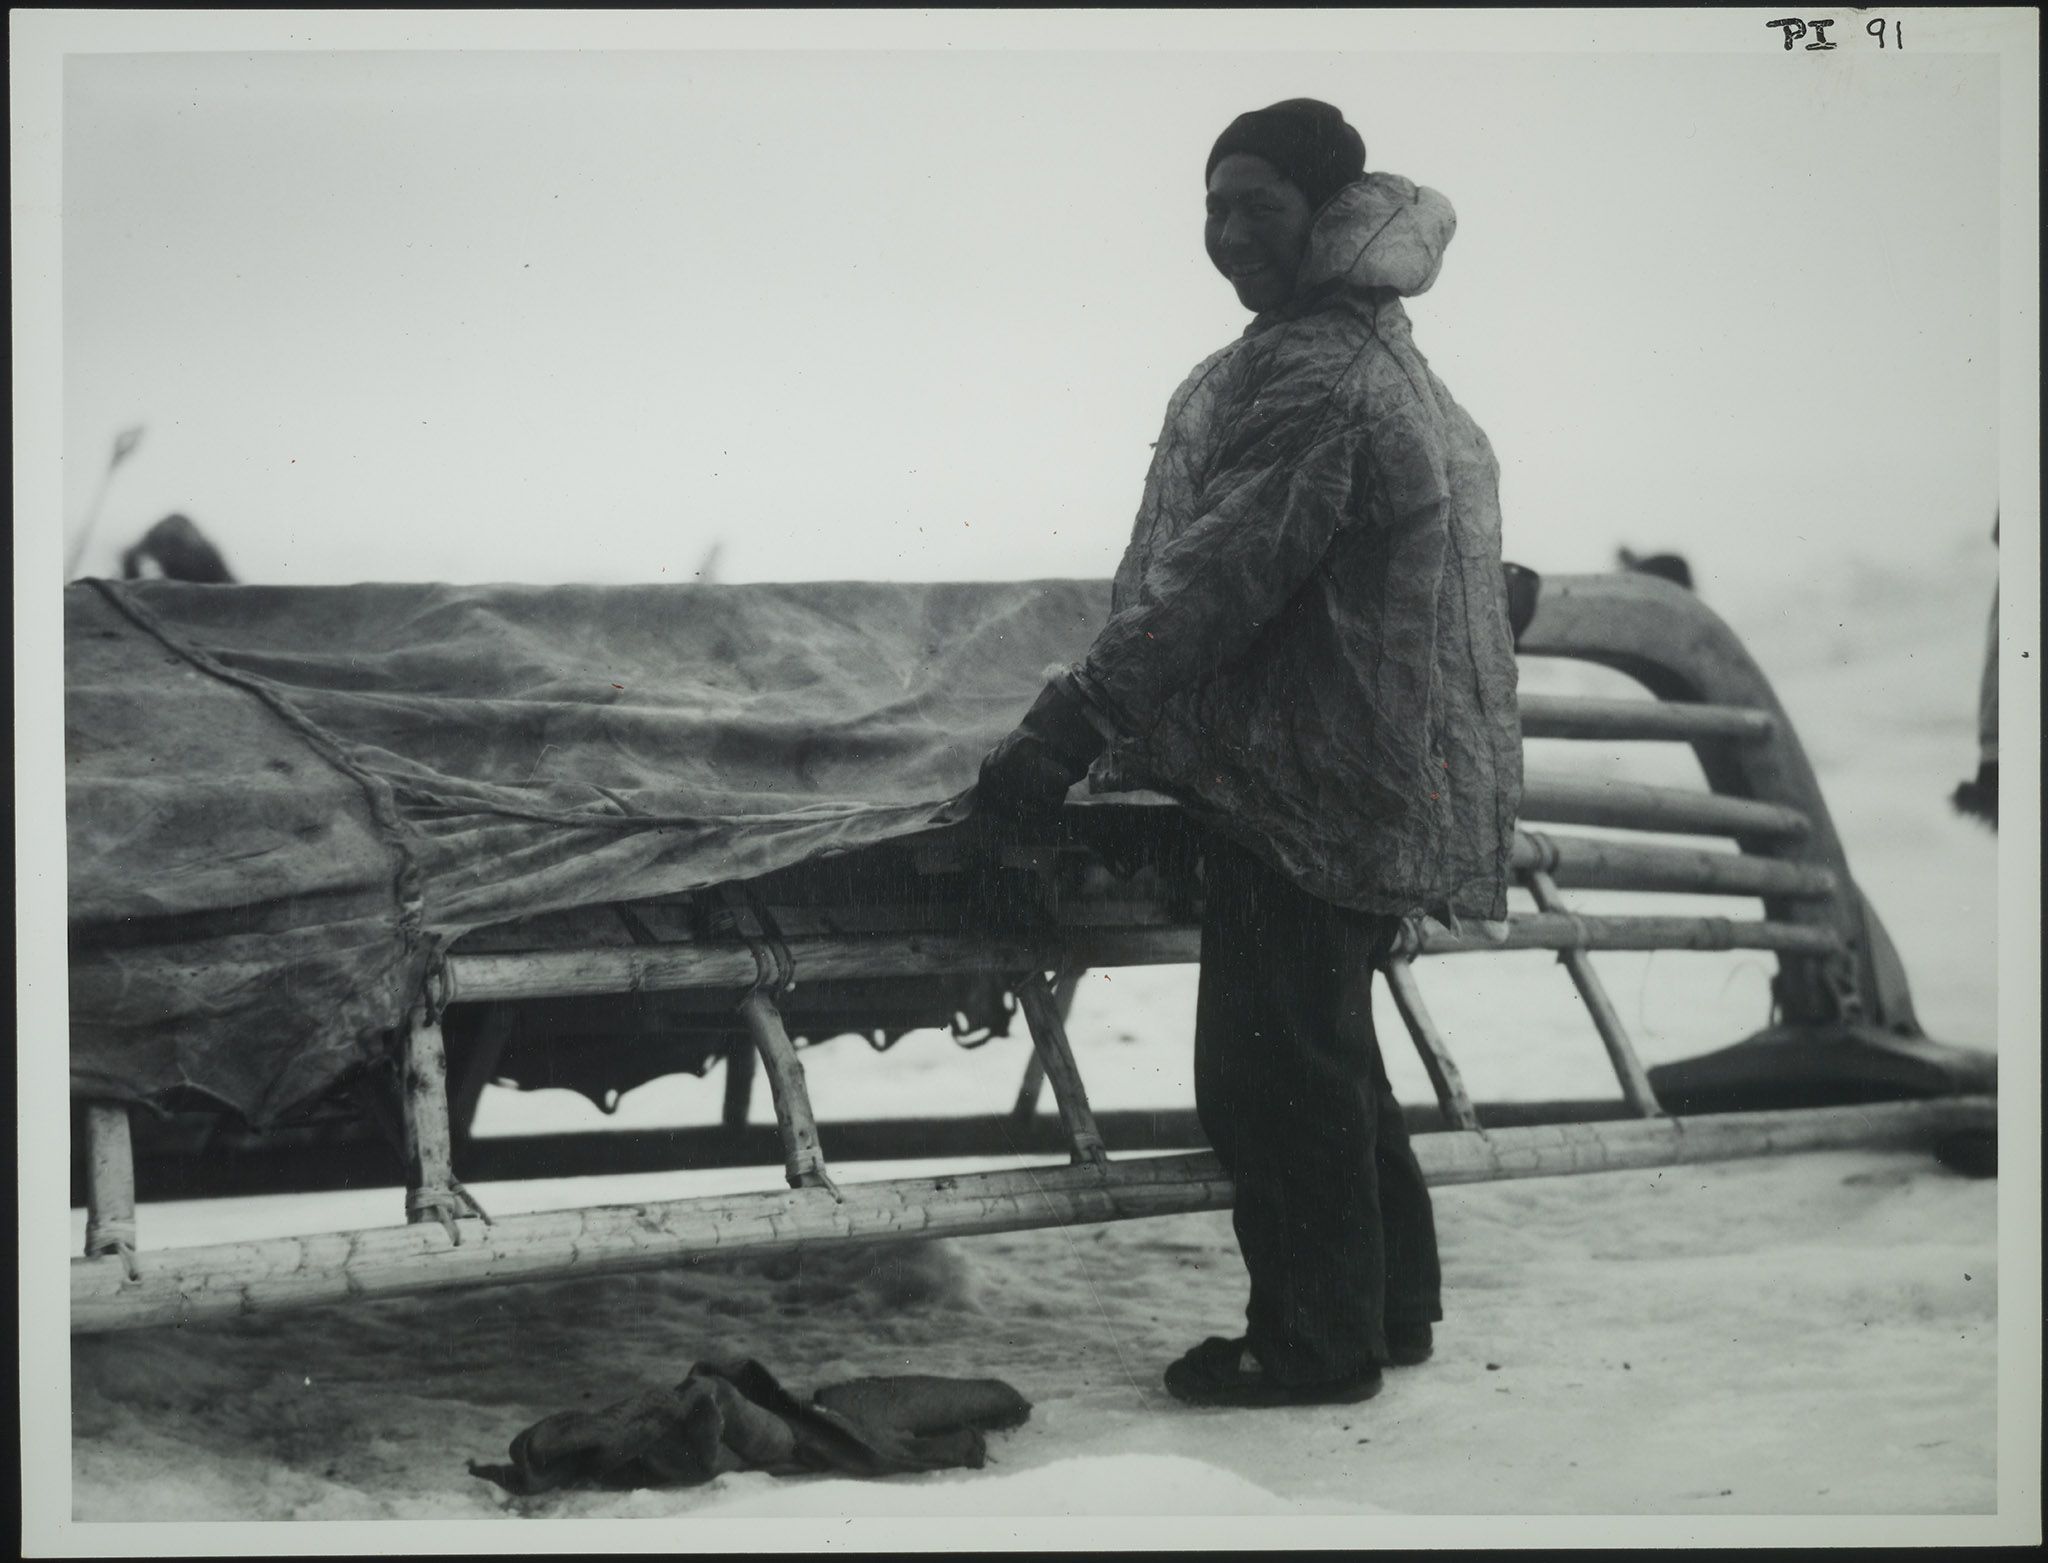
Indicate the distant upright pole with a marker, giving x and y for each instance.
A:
(124, 443)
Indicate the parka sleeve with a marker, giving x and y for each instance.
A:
(1301, 467)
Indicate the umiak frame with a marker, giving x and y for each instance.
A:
(1844, 1064)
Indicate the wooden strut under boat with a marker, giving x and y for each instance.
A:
(1841, 995)
(191, 1284)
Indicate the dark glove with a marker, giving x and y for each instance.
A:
(1026, 776)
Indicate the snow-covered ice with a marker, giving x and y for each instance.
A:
(1810, 1335)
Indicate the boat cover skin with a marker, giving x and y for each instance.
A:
(285, 802)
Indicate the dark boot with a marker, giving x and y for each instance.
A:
(1222, 1372)
(1408, 1344)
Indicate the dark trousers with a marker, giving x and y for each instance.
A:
(1332, 1215)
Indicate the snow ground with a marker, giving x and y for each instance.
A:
(1814, 1335)
(1807, 1336)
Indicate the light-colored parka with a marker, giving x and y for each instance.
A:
(1308, 643)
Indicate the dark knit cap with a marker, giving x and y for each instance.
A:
(1306, 140)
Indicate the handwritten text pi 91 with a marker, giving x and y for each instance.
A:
(1816, 28)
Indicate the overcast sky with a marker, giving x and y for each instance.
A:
(544, 317)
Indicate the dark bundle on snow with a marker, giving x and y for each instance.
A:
(736, 1417)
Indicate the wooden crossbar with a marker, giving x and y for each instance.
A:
(275, 1164)
(1575, 861)
(1566, 931)
(1621, 1052)
(1444, 1078)
(1600, 863)
(1574, 716)
(222, 1280)
(432, 1192)
(1571, 800)
(803, 1159)
(723, 964)
(1033, 1083)
(1056, 1058)
(110, 1183)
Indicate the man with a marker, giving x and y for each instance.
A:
(1309, 647)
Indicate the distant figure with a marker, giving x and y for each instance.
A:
(1671, 567)
(1978, 797)
(175, 550)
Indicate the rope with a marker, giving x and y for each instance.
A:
(114, 1237)
(104, 1235)
(774, 966)
(1581, 935)
(1548, 902)
(396, 835)
(445, 1205)
(434, 993)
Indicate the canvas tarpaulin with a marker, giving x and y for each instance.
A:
(283, 803)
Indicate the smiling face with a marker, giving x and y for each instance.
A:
(1257, 230)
